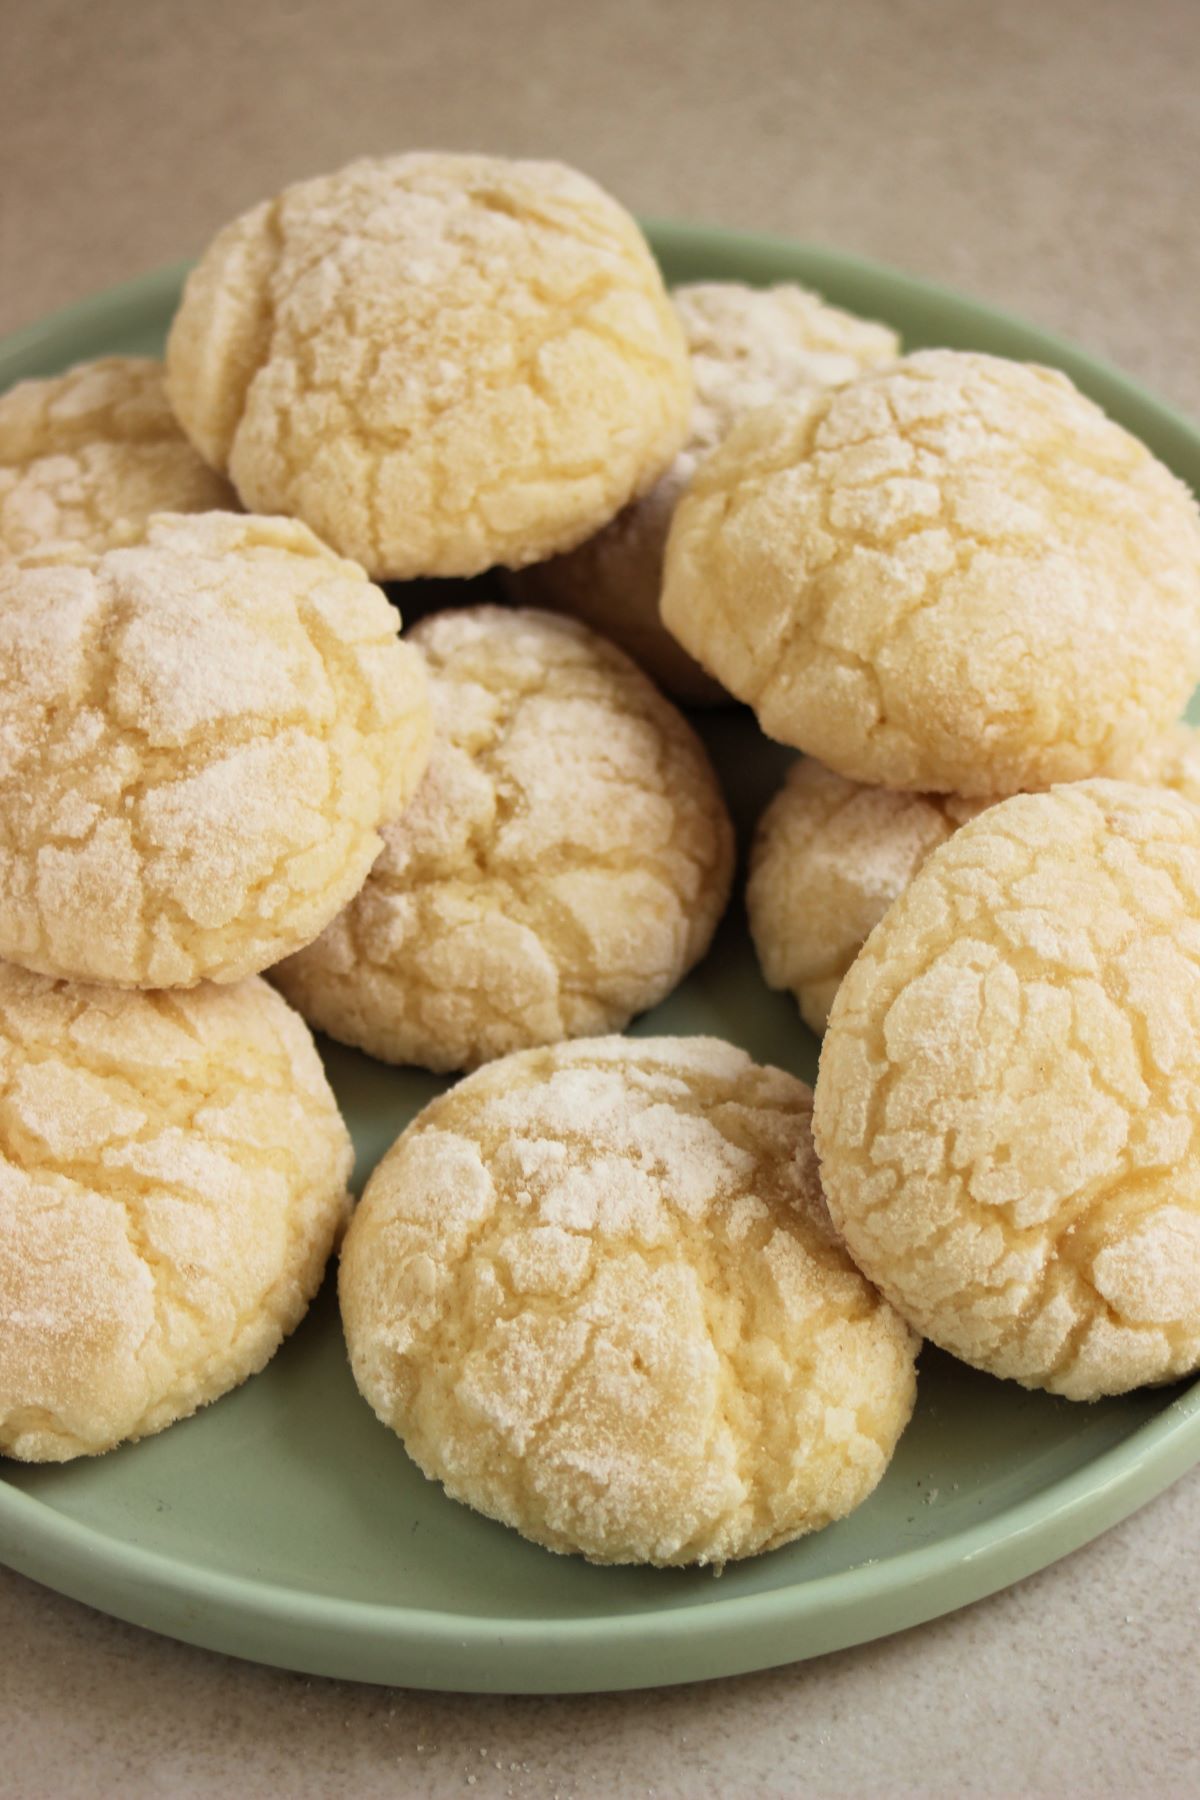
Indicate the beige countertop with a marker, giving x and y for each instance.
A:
(1040, 155)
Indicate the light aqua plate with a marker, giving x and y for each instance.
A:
(286, 1525)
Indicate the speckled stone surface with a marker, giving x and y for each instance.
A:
(1040, 155)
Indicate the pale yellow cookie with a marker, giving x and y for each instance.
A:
(88, 456)
(831, 855)
(1007, 1106)
(200, 736)
(955, 574)
(439, 362)
(173, 1174)
(748, 346)
(828, 859)
(562, 867)
(596, 1291)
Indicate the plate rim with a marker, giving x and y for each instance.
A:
(383, 1642)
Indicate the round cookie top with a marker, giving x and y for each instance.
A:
(955, 574)
(830, 856)
(199, 738)
(563, 865)
(172, 1175)
(595, 1289)
(1007, 1102)
(749, 346)
(88, 456)
(439, 362)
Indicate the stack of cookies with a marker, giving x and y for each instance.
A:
(604, 1289)
(951, 581)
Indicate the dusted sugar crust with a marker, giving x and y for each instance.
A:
(172, 1177)
(748, 346)
(596, 1291)
(830, 856)
(956, 575)
(438, 362)
(88, 456)
(564, 863)
(828, 859)
(200, 736)
(1007, 1101)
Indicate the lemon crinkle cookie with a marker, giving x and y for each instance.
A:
(439, 362)
(595, 1290)
(199, 738)
(562, 867)
(831, 855)
(1008, 1094)
(87, 457)
(172, 1177)
(749, 346)
(955, 574)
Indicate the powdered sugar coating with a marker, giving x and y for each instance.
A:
(172, 1175)
(199, 738)
(955, 575)
(595, 1290)
(1008, 1094)
(439, 362)
(88, 456)
(830, 856)
(562, 867)
(749, 347)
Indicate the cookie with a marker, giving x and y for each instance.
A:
(953, 575)
(828, 859)
(749, 346)
(200, 736)
(172, 1177)
(831, 855)
(88, 456)
(439, 362)
(1009, 1086)
(595, 1290)
(562, 867)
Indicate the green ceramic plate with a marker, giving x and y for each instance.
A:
(286, 1525)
